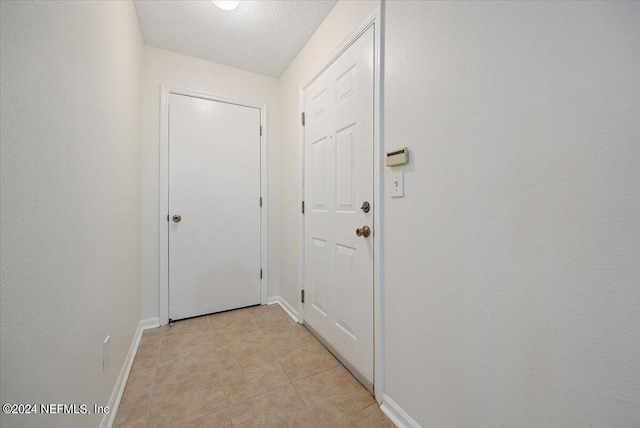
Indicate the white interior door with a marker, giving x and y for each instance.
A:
(214, 186)
(338, 264)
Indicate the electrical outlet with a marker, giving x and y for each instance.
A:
(105, 353)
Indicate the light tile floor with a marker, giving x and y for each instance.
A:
(252, 367)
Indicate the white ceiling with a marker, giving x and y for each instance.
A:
(259, 36)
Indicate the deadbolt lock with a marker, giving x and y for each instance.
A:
(363, 231)
(177, 218)
(365, 207)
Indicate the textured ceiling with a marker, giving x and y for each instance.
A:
(259, 36)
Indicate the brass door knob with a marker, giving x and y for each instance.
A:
(363, 231)
(365, 207)
(177, 218)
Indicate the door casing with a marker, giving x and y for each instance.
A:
(373, 19)
(163, 233)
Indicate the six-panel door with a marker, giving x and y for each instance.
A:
(339, 134)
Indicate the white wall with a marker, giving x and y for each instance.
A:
(512, 270)
(172, 69)
(343, 19)
(69, 186)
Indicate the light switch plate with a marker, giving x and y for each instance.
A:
(397, 184)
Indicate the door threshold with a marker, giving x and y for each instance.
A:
(171, 321)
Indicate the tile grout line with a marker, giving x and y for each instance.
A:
(301, 397)
(326, 370)
(260, 330)
(206, 335)
(220, 369)
(268, 350)
(316, 373)
(225, 407)
(249, 398)
(244, 400)
(153, 380)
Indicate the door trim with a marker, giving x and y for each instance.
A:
(373, 19)
(163, 232)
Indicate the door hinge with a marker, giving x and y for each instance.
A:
(302, 118)
(260, 200)
(167, 217)
(260, 273)
(260, 129)
(301, 296)
(302, 207)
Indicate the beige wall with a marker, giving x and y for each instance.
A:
(69, 185)
(343, 19)
(181, 71)
(512, 265)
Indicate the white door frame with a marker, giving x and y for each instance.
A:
(378, 336)
(163, 233)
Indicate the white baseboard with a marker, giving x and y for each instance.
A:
(289, 309)
(109, 418)
(150, 323)
(285, 306)
(399, 417)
